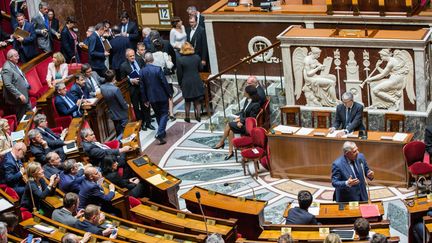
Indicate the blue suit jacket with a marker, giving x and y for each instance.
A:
(153, 84)
(117, 106)
(341, 171)
(76, 92)
(92, 193)
(28, 45)
(355, 121)
(88, 227)
(38, 194)
(300, 216)
(96, 52)
(69, 183)
(119, 45)
(67, 45)
(63, 108)
(12, 174)
(51, 138)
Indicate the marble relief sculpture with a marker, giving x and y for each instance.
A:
(387, 87)
(319, 85)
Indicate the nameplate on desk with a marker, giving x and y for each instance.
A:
(116, 223)
(168, 237)
(429, 197)
(181, 215)
(62, 230)
(154, 208)
(352, 135)
(211, 222)
(36, 219)
(92, 240)
(140, 230)
(211, 192)
(319, 134)
(128, 139)
(352, 205)
(285, 230)
(241, 199)
(140, 161)
(387, 138)
(324, 231)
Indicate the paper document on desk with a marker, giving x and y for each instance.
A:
(128, 139)
(313, 209)
(400, 136)
(156, 179)
(5, 204)
(304, 131)
(333, 134)
(15, 136)
(43, 229)
(70, 148)
(92, 100)
(286, 129)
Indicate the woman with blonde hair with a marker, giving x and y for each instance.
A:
(332, 238)
(36, 189)
(57, 69)
(188, 67)
(5, 139)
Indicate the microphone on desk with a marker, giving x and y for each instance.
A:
(198, 197)
(367, 184)
(253, 191)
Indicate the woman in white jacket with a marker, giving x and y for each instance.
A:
(57, 70)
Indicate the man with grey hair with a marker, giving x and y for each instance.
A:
(40, 148)
(73, 238)
(15, 86)
(89, 32)
(12, 168)
(64, 103)
(53, 166)
(3, 233)
(155, 91)
(349, 116)
(146, 37)
(43, 29)
(192, 11)
(252, 80)
(349, 173)
(53, 140)
(215, 238)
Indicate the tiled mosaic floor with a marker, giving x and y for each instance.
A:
(192, 159)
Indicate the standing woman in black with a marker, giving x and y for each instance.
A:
(188, 67)
(251, 108)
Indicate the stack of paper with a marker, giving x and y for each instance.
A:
(156, 179)
(304, 131)
(44, 229)
(400, 137)
(16, 136)
(286, 129)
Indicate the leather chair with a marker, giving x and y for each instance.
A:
(244, 141)
(258, 151)
(396, 121)
(417, 162)
(291, 115)
(323, 119)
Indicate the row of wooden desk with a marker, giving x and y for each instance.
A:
(310, 157)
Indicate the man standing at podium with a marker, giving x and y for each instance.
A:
(349, 116)
(349, 173)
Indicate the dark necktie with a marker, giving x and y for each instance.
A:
(347, 117)
(357, 174)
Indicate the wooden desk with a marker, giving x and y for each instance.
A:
(14, 239)
(310, 157)
(161, 216)
(74, 134)
(130, 129)
(97, 116)
(416, 212)
(25, 125)
(330, 213)
(15, 204)
(164, 193)
(311, 232)
(427, 221)
(60, 229)
(249, 213)
(131, 231)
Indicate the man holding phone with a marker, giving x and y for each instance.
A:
(93, 218)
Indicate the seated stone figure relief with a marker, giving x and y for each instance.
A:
(387, 87)
(319, 86)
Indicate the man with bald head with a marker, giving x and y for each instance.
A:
(13, 169)
(91, 191)
(16, 86)
(252, 80)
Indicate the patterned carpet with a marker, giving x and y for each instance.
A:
(189, 156)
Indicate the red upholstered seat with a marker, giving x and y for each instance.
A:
(35, 83)
(2, 58)
(25, 214)
(113, 144)
(10, 191)
(61, 121)
(416, 162)
(242, 141)
(258, 151)
(246, 140)
(133, 202)
(12, 120)
(42, 70)
(57, 130)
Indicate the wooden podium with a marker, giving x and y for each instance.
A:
(381, 7)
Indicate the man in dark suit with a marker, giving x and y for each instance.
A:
(117, 106)
(71, 177)
(13, 168)
(119, 45)
(96, 50)
(129, 69)
(349, 116)
(91, 191)
(68, 214)
(69, 41)
(129, 29)
(16, 86)
(79, 89)
(93, 79)
(64, 104)
(349, 172)
(43, 29)
(300, 215)
(53, 165)
(99, 152)
(92, 219)
(252, 80)
(40, 148)
(197, 37)
(362, 228)
(155, 91)
(25, 46)
(192, 11)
